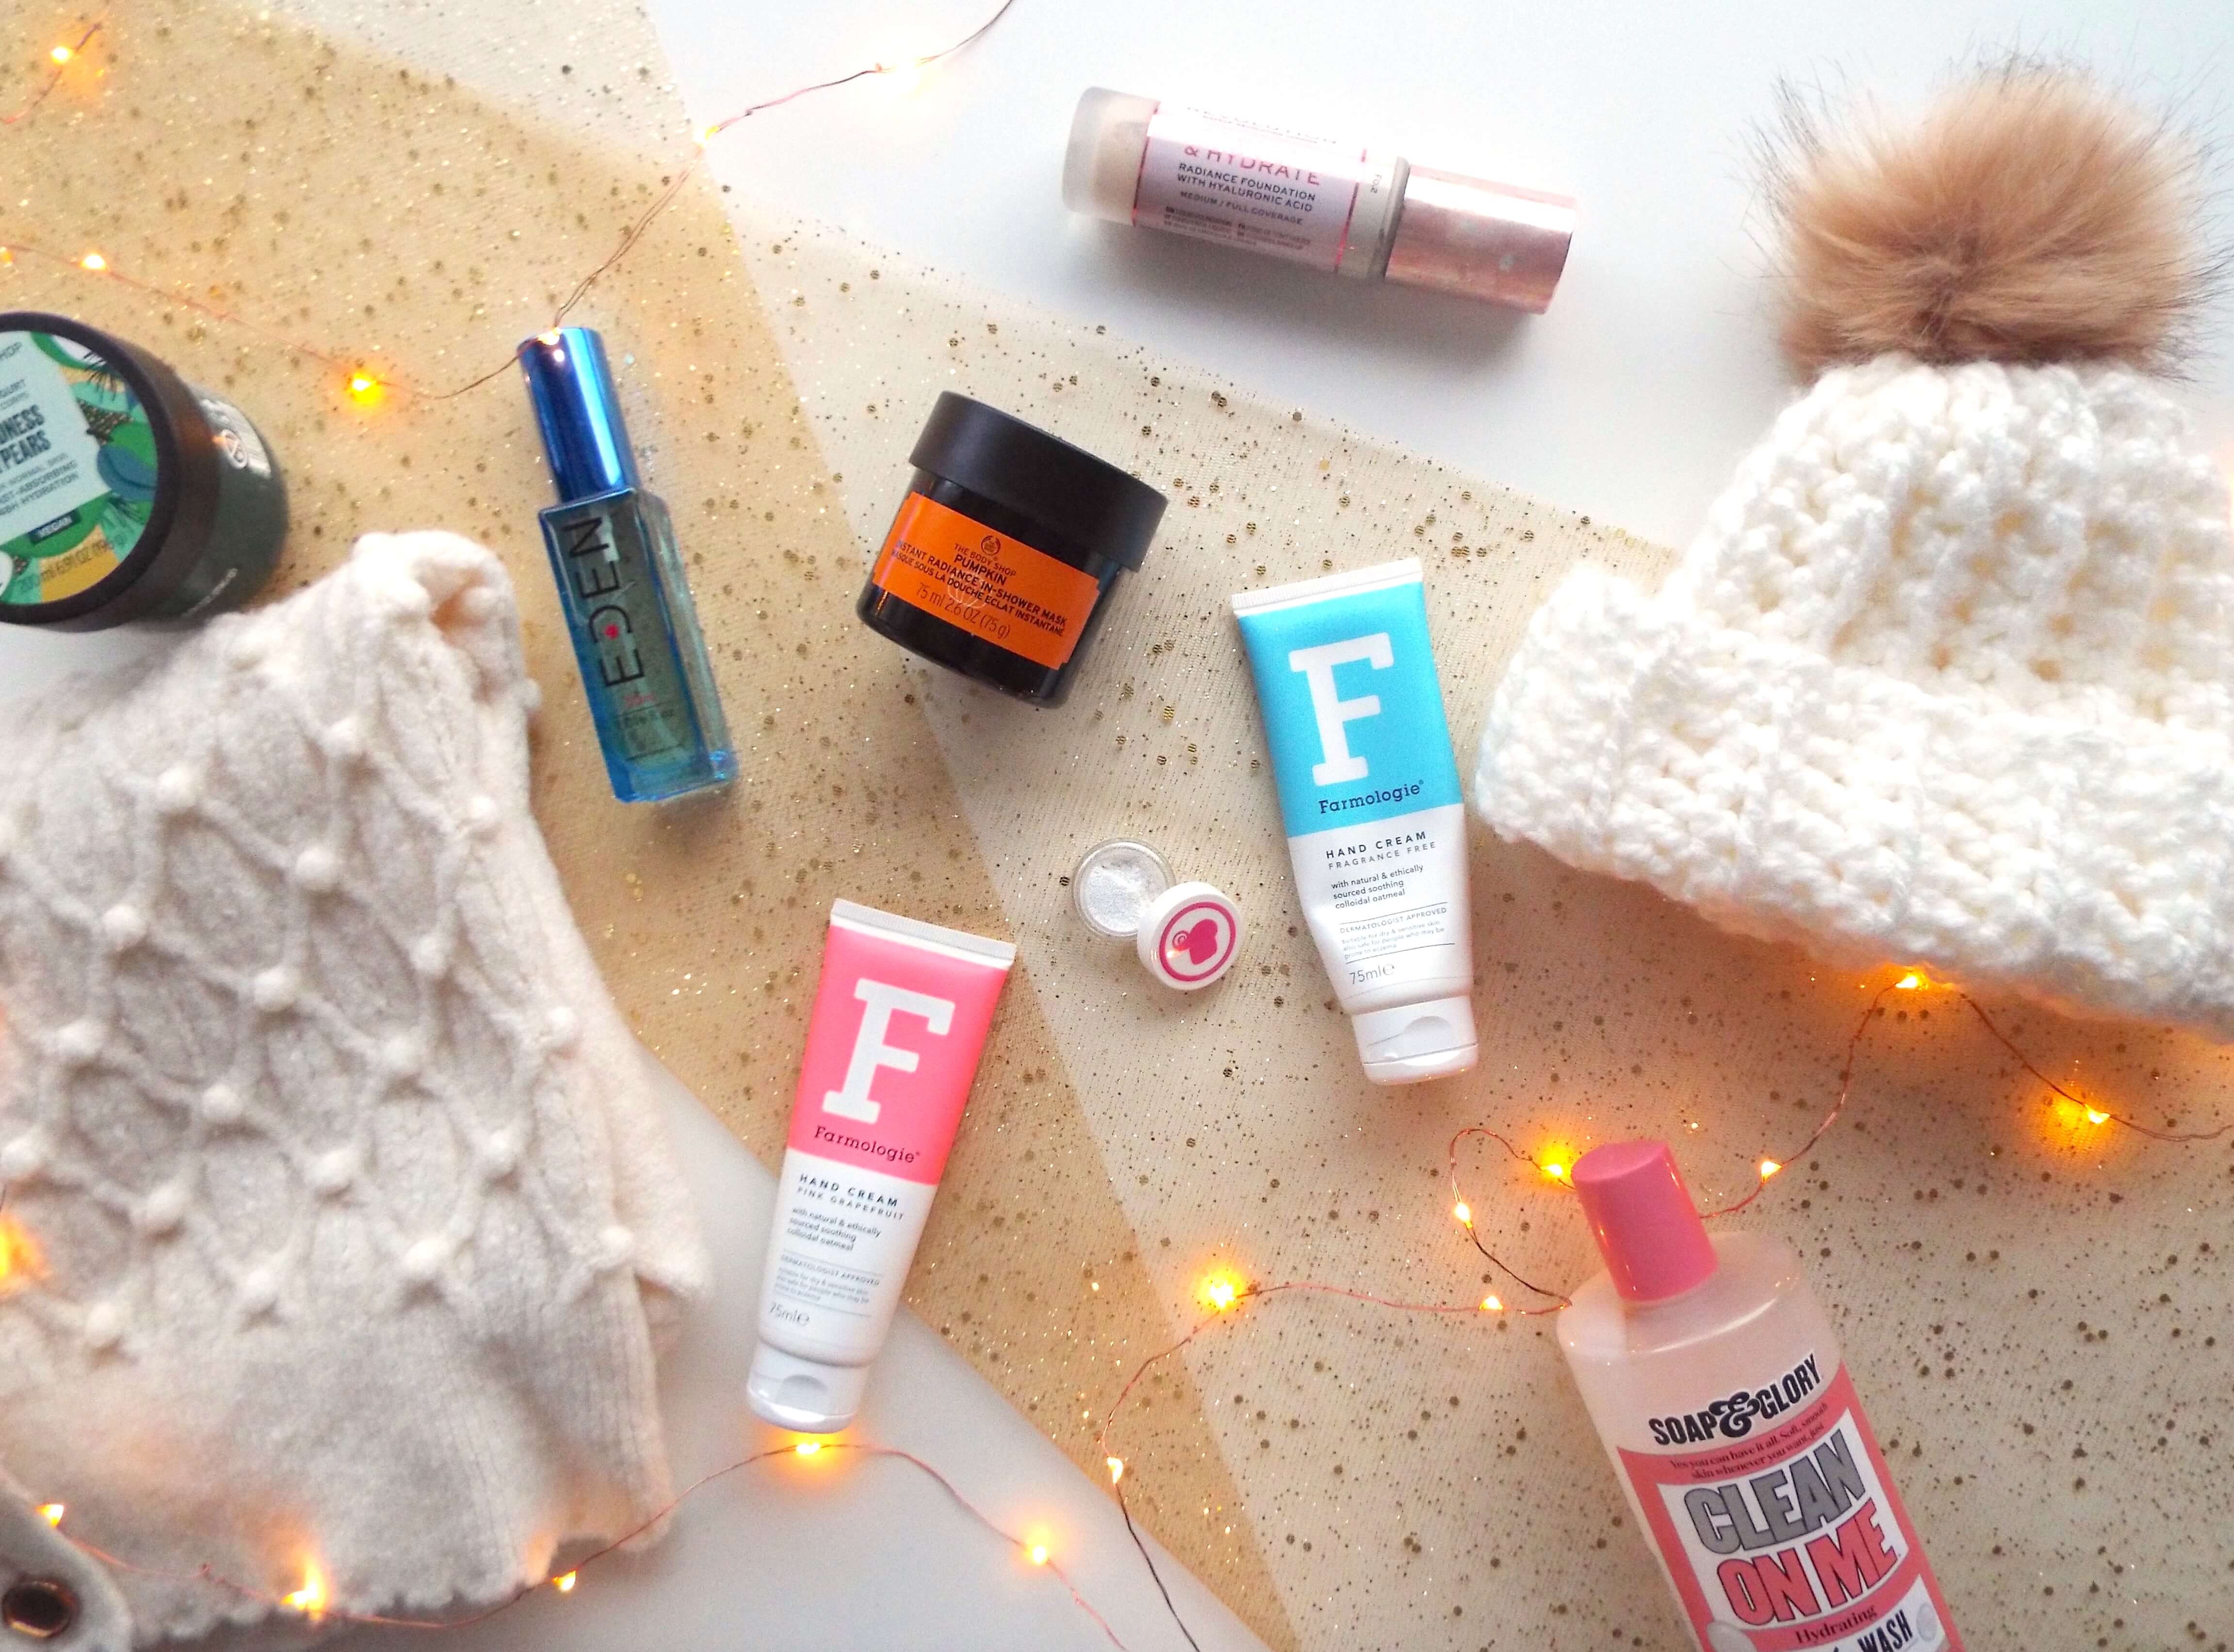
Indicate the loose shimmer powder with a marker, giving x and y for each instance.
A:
(1115, 884)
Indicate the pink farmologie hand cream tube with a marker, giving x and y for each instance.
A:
(899, 1020)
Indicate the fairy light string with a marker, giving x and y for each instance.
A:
(366, 388)
(61, 56)
(1223, 1293)
(2094, 1112)
(911, 66)
(313, 1599)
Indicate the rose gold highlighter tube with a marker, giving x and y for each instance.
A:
(1334, 206)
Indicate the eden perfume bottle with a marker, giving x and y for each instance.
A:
(621, 583)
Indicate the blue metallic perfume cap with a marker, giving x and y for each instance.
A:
(583, 435)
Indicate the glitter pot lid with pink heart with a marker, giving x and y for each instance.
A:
(1186, 935)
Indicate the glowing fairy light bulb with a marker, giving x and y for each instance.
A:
(1555, 1158)
(63, 54)
(1220, 1290)
(1464, 1212)
(564, 1582)
(1910, 981)
(2071, 1113)
(310, 1598)
(808, 1447)
(94, 262)
(1490, 1304)
(906, 74)
(19, 1254)
(1116, 1468)
(1768, 1168)
(364, 389)
(51, 1513)
(1039, 1554)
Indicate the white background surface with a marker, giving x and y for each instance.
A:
(1630, 400)
(1653, 368)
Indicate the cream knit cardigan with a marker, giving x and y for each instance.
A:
(346, 1189)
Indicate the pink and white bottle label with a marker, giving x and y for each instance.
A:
(1250, 186)
(897, 1026)
(1780, 1527)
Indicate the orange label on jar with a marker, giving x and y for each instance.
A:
(992, 586)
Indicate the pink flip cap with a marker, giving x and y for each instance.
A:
(1654, 1243)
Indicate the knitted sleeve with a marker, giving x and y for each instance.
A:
(335, 1186)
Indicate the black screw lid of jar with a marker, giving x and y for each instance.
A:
(1041, 476)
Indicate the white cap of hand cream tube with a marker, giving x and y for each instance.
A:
(1415, 1043)
(806, 1394)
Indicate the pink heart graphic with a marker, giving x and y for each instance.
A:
(1199, 944)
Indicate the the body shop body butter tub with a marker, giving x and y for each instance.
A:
(124, 492)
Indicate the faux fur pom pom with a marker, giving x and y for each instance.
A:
(2027, 217)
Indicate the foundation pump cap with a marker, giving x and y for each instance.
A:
(805, 1394)
(1492, 241)
(1640, 1213)
(1416, 1042)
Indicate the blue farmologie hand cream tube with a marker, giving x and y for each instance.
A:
(1369, 794)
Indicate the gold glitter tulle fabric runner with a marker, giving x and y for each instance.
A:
(346, 199)
(1342, 1476)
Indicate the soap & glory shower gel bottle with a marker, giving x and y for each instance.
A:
(1713, 1379)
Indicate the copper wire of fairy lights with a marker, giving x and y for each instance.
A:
(1223, 1293)
(362, 385)
(313, 1600)
(61, 56)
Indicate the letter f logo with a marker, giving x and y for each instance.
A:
(1332, 711)
(870, 1050)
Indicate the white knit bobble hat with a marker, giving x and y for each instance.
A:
(1948, 678)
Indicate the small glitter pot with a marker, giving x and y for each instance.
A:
(1005, 551)
(124, 492)
(1115, 884)
(1186, 935)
